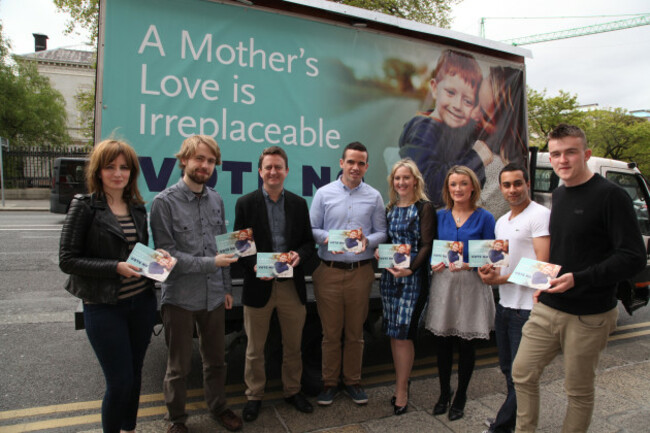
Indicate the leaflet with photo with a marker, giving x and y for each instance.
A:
(488, 252)
(152, 263)
(345, 240)
(240, 243)
(394, 255)
(447, 252)
(274, 265)
(534, 274)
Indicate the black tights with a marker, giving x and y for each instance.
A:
(466, 358)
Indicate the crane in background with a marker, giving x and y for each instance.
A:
(637, 20)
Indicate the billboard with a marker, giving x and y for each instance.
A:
(253, 77)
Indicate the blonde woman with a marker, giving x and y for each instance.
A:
(411, 219)
(461, 307)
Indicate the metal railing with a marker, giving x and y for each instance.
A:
(32, 167)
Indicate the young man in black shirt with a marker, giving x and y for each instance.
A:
(595, 237)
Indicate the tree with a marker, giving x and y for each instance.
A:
(436, 12)
(545, 113)
(84, 14)
(32, 113)
(613, 133)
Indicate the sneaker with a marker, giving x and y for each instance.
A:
(357, 394)
(326, 397)
(489, 421)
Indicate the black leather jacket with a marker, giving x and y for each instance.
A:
(92, 244)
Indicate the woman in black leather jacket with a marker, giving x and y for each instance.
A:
(98, 234)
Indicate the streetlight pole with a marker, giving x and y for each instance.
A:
(4, 142)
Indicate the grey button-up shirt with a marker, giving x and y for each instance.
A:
(186, 226)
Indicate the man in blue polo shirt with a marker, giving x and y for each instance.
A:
(343, 281)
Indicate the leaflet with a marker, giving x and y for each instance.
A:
(534, 274)
(345, 240)
(274, 265)
(488, 252)
(152, 263)
(394, 255)
(447, 252)
(240, 243)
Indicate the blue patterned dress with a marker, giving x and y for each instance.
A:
(400, 295)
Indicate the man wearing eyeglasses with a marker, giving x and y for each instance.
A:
(185, 218)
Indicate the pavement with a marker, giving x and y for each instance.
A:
(622, 401)
(25, 205)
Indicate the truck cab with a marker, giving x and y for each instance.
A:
(633, 293)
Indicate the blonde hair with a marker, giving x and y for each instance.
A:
(462, 170)
(190, 146)
(419, 192)
(103, 154)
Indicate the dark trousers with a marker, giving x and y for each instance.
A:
(508, 324)
(120, 334)
(179, 331)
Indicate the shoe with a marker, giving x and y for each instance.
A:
(457, 409)
(326, 397)
(357, 394)
(229, 420)
(177, 428)
(251, 410)
(393, 398)
(489, 421)
(300, 402)
(443, 403)
(400, 410)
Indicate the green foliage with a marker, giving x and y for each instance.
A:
(435, 12)
(615, 134)
(545, 113)
(32, 113)
(84, 13)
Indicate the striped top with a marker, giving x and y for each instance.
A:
(130, 286)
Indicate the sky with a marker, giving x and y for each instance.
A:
(609, 69)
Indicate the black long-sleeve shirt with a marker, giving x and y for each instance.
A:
(595, 235)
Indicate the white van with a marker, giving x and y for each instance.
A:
(634, 294)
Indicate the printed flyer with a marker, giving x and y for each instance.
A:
(274, 265)
(447, 252)
(394, 255)
(345, 240)
(534, 274)
(152, 264)
(488, 252)
(240, 243)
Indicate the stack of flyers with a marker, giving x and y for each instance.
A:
(240, 243)
(274, 265)
(152, 264)
(345, 240)
(447, 252)
(534, 274)
(488, 252)
(394, 255)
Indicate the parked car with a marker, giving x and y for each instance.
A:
(68, 179)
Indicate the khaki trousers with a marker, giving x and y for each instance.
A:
(342, 298)
(580, 339)
(179, 332)
(291, 315)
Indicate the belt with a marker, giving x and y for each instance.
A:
(345, 265)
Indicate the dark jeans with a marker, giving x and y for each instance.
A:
(508, 324)
(119, 335)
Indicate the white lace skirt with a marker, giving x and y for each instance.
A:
(460, 305)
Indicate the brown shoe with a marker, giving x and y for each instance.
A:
(229, 420)
(177, 428)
